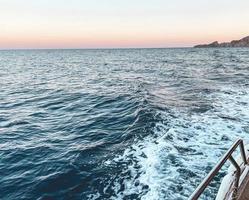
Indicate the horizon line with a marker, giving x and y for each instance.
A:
(94, 48)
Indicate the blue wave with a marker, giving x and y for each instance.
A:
(118, 124)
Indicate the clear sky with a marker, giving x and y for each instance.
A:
(120, 23)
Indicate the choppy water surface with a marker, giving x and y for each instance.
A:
(118, 124)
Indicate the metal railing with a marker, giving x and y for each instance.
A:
(228, 156)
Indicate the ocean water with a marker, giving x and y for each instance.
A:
(118, 124)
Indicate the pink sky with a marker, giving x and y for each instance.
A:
(117, 23)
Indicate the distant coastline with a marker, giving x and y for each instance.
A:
(244, 42)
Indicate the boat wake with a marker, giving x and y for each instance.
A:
(184, 146)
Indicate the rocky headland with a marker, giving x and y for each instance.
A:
(244, 42)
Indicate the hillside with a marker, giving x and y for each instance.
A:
(244, 42)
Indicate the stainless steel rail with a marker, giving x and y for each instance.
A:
(228, 156)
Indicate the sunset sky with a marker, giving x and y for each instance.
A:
(120, 23)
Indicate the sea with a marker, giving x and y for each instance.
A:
(119, 124)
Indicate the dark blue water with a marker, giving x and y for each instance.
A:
(118, 124)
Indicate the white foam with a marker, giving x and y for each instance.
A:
(183, 147)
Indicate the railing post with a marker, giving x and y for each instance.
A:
(237, 176)
(242, 151)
